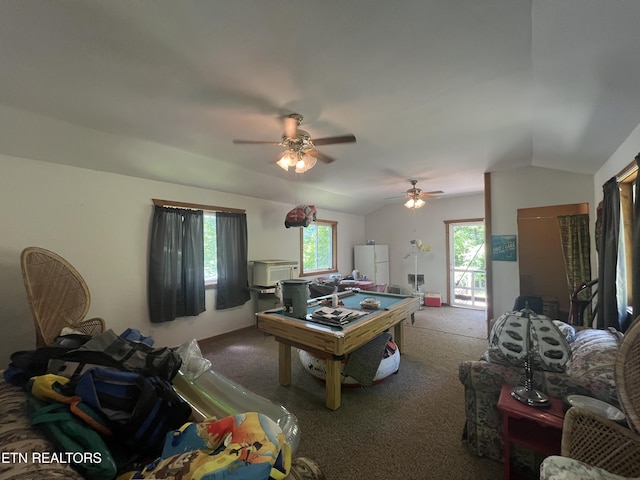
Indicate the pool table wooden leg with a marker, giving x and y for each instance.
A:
(284, 368)
(397, 335)
(333, 383)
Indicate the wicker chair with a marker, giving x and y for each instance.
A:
(602, 443)
(58, 295)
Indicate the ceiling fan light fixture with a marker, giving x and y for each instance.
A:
(414, 203)
(288, 159)
(298, 143)
(306, 162)
(297, 159)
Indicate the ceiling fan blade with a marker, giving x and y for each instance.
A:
(428, 194)
(320, 156)
(330, 140)
(291, 123)
(255, 142)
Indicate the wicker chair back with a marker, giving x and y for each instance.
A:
(627, 373)
(58, 295)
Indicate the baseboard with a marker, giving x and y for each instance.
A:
(205, 341)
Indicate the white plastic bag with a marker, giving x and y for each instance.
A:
(193, 363)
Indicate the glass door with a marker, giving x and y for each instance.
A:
(467, 276)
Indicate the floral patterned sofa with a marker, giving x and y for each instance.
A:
(589, 371)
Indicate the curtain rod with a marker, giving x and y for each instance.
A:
(195, 206)
(627, 171)
(551, 217)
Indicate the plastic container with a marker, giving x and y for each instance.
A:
(295, 293)
(432, 300)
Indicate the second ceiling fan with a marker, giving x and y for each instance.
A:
(300, 149)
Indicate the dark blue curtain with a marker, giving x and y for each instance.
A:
(611, 271)
(233, 281)
(176, 264)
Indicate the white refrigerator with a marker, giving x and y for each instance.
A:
(372, 261)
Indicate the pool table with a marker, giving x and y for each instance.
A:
(333, 343)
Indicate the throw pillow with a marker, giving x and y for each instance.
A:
(567, 330)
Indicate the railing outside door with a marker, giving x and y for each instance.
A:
(470, 288)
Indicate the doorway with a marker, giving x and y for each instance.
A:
(466, 264)
(541, 261)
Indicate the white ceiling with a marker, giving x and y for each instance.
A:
(437, 90)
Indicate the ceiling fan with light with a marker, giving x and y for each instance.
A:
(415, 196)
(300, 151)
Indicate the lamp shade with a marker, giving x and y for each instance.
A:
(508, 341)
(288, 159)
(305, 162)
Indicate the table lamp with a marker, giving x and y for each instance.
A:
(524, 338)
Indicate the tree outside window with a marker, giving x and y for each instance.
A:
(210, 249)
(318, 246)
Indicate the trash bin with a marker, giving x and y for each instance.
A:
(294, 297)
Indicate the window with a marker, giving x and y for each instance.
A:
(626, 181)
(209, 235)
(318, 247)
(210, 249)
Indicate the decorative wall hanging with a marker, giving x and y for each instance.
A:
(504, 248)
(301, 216)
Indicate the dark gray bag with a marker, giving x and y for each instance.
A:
(113, 351)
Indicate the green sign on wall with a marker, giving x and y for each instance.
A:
(504, 248)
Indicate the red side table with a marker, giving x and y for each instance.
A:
(538, 429)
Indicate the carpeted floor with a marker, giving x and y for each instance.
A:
(408, 427)
(453, 320)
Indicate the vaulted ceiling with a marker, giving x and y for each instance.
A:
(435, 90)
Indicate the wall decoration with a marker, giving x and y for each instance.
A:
(504, 248)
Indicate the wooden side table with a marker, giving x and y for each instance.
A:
(538, 429)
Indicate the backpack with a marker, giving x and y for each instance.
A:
(111, 350)
(25, 364)
(139, 410)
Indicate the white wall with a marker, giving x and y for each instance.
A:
(396, 226)
(524, 188)
(623, 156)
(100, 223)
